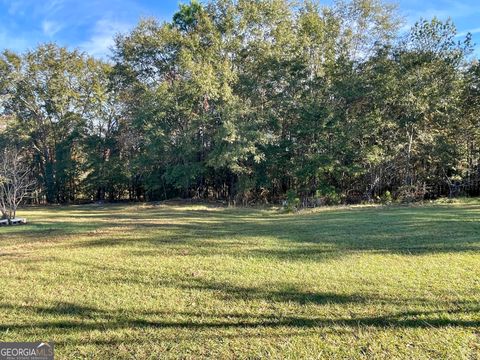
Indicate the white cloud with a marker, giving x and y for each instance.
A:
(103, 36)
(471, 31)
(16, 7)
(50, 28)
(34, 7)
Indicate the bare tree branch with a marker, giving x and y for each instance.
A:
(16, 182)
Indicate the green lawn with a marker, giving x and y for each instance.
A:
(178, 281)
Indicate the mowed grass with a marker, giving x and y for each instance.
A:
(196, 281)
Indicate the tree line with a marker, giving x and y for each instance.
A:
(251, 101)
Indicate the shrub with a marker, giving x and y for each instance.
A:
(292, 202)
(410, 193)
(386, 198)
(328, 195)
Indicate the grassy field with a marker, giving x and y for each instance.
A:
(194, 281)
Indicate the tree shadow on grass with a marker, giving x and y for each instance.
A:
(315, 236)
(298, 239)
(229, 292)
(79, 318)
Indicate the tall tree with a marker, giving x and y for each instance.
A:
(52, 92)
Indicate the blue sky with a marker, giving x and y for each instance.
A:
(91, 24)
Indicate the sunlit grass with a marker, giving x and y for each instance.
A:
(193, 281)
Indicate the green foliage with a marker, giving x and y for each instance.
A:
(410, 193)
(292, 201)
(54, 96)
(188, 16)
(328, 195)
(387, 197)
(243, 100)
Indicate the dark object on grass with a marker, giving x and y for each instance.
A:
(15, 221)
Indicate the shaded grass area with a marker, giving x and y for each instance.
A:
(194, 281)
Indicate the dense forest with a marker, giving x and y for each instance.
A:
(251, 101)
